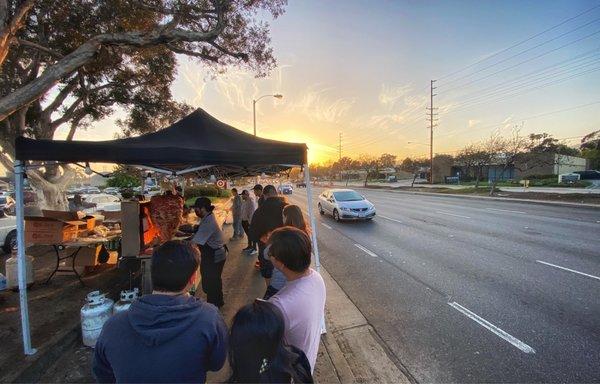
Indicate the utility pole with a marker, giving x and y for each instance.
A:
(340, 148)
(431, 125)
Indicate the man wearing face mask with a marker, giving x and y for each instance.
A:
(209, 239)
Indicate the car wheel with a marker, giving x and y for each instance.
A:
(321, 211)
(336, 215)
(10, 241)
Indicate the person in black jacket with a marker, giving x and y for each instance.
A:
(267, 218)
(258, 353)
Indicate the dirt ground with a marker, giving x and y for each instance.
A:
(54, 316)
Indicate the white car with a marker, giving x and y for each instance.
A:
(8, 233)
(346, 204)
(104, 202)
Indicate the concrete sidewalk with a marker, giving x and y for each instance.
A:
(350, 351)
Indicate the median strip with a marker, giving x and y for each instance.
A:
(452, 214)
(365, 250)
(568, 269)
(492, 328)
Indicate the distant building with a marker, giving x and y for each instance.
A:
(539, 164)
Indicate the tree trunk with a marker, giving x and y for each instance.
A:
(413, 182)
(478, 171)
(493, 189)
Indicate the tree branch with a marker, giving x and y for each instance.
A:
(192, 53)
(62, 95)
(10, 30)
(30, 44)
(88, 50)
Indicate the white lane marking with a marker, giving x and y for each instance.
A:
(505, 210)
(390, 219)
(326, 226)
(452, 214)
(568, 269)
(492, 328)
(365, 250)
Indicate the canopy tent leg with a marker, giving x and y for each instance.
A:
(311, 216)
(22, 269)
(313, 224)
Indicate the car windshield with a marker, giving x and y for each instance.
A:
(347, 196)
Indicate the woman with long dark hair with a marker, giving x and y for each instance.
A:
(292, 217)
(257, 352)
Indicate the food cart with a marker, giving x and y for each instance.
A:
(197, 144)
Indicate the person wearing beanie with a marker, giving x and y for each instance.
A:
(209, 239)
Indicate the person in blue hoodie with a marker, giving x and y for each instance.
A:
(168, 336)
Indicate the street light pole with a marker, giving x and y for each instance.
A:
(277, 96)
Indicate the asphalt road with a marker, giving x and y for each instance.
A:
(465, 290)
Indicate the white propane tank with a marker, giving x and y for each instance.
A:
(127, 297)
(12, 271)
(93, 316)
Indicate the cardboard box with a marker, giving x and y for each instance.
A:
(88, 256)
(46, 230)
(90, 221)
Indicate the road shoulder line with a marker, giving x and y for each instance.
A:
(492, 328)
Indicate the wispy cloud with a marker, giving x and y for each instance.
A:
(473, 122)
(316, 104)
(391, 95)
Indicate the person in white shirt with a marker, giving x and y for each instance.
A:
(248, 208)
(302, 299)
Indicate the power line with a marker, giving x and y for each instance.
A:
(500, 94)
(524, 51)
(523, 118)
(582, 57)
(522, 62)
(520, 42)
(501, 98)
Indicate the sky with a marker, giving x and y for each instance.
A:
(363, 69)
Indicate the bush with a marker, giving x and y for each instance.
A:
(541, 177)
(206, 190)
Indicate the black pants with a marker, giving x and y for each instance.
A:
(210, 273)
(266, 266)
(246, 226)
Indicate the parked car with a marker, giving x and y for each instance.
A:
(301, 184)
(8, 233)
(346, 204)
(285, 189)
(89, 190)
(589, 174)
(111, 190)
(103, 201)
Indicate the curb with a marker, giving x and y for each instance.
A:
(506, 199)
(357, 352)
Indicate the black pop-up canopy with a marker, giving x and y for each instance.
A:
(196, 140)
(196, 143)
